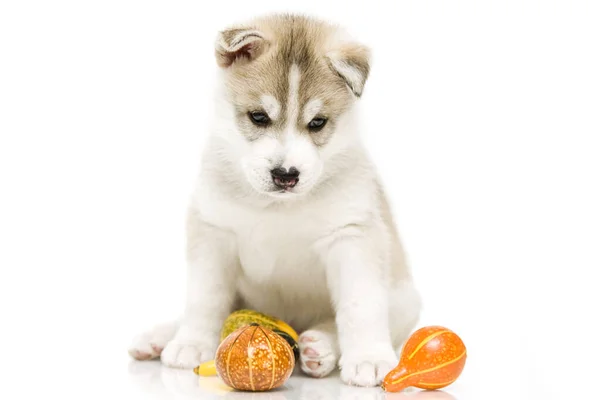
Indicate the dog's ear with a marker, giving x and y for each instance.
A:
(239, 45)
(351, 61)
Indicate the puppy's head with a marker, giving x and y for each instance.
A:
(289, 83)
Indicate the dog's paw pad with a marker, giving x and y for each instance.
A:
(140, 355)
(144, 348)
(149, 345)
(312, 365)
(369, 370)
(318, 356)
(157, 349)
(184, 355)
(310, 352)
(306, 338)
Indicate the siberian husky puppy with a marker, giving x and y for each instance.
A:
(288, 216)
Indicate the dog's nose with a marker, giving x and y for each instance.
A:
(285, 179)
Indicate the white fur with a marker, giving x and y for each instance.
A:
(311, 109)
(353, 76)
(242, 39)
(293, 93)
(320, 256)
(271, 106)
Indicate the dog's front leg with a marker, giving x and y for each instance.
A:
(210, 295)
(356, 277)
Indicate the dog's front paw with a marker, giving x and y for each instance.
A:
(318, 353)
(185, 355)
(367, 367)
(150, 344)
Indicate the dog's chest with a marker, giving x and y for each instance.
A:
(282, 272)
(278, 247)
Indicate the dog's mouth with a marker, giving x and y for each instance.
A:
(283, 192)
(285, 184)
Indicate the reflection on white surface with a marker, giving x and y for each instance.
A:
(162, 382)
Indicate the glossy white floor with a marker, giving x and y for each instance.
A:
(153, 379)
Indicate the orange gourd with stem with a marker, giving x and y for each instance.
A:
(433, 357)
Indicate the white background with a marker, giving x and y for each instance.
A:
(482, 116)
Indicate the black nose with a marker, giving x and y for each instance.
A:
(285, 179)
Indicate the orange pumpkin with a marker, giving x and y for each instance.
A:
(254, 358)
(433, 357)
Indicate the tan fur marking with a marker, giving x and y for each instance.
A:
(307, 43)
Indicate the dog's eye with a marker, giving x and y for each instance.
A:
(316, 124)
(259, 118)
